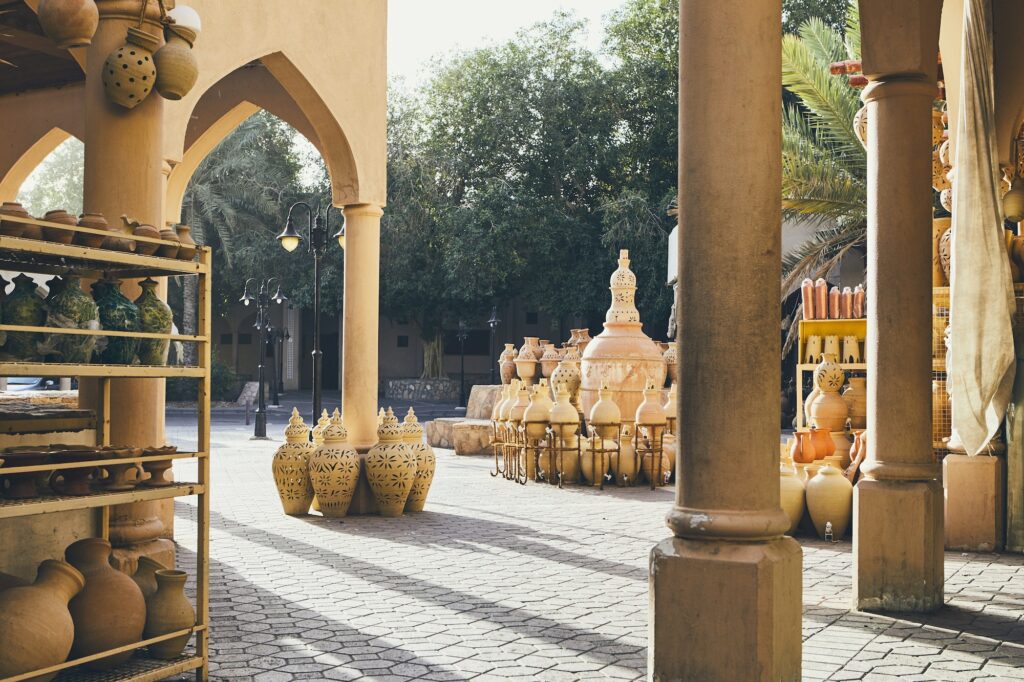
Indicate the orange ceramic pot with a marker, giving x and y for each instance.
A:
(55, 234)
(823, 443)
(803, 451)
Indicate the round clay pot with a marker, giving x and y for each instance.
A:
(595, 459)
(290, 467)
(156, 469)
(655, 471)
(535, 416)
(391, 467)
(147, 248)
(75, 482)
(69, 23)
(95, 221)
(22, 486)
(823, 443)
(803, 451)
(625, 463)
(549, 360)
(334, 469)
(827, 410)
(168, 610)
(526, 365)
(111, 611)
(506, 363)
(791, 496)
(188, 245)
(118, 475)
(55, 234)
(145, 575)
(9, 228)
(568, 376)
(605, 415)
(169, 250)
(36, 627)
(829, 496)
(426, 462)
(176, 66)
(856, 398)
(129, 73)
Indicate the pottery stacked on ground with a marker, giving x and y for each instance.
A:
(391, 467)
(828, 410)
(426, 462)
(334, 469)
(290, 466)
(650, 422)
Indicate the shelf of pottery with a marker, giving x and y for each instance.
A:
(594, 411)
(80, 617)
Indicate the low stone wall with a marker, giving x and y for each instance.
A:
(464, 436)
(432, 390)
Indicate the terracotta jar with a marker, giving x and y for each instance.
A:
(625, 465)
(820, 299)
(563, 417)
(23, 307)
(846, 303)
(829, 499)
(622, 354)
(145, 575)
(69, 23)
(605, 415)
(519, 405)
(655, 471)
(35, 625)
(188, 246)
(121, 477)
(129, 73)
(168, 610)
(116, 313)
(582, 340)
(12, 229)
(791, 496)
(55, 234)
(334, 469)
(426, 462)
(176, 66)
(505, 407)
(807, 297)
(671, 409)
(549, 360)
(506, 363)
(834, 308)
(526, 365)
(118, 243)
(110, 611)
(803, 451)
(533, 343)
(856, 398)
(859, 302)
(535, 416)
(94, 221)
(72, 308)
(157, 469)
(391, 467)
(595, 459)
(290, 467)
(169, 250)
(828, 411)
(823, 443)
(502, 397)
(568, 376)
(154, 317)
(671, 358)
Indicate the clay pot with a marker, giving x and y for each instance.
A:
(111, 611)
(176, 66)
(567, 463)
(150, 232)
(583, 340)
(517, 407)
(290, 467)
(856, 398)
(846, 303)
(168, 610)
(74, 482)
(654, 471)
(671, 358)
(803, 451)
(145, 575)
(71, 308)
(391, 467)
(55, 234)
(526, 365)
(334, 469)
(22, 486)
(506, 363)
(549, 360)
(95, 221)
(563, 417)
(154, 317)
(69, 23)
(834, 296)
(36, 627)
(820, 299)
(808, 401)
(791, 496)
(535, 416)
(807, 297)
(156, 469)
(496, 410)
(426, 462)
(829, 496)
(823, 443)
(533, 343)
(169, 250)
(828, 411)
(12, 229)
(605, 416)
(595, 459)
(116, 313)
(188, 245)
(625, 465)
(23, 307)
(622, 355)
(129, 73)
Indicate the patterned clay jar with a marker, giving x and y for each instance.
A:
(568, 376)
(526, 365)
(35, 625)
(176, 66)
(605, 416)
(116, 313)
(939, 226)
(55, 234)
(829, 496)
(549, 360)
(169, 250)
(72, 308)
(23, 307)
(583, 340)
(791, 496)
(168, 610)
(111, 611)
(823, 443)
(506, 363)
(129, 73)
(154, 317)
(828, 411)
(290, 467)
(94, 221)
(856, 398)
(803, 451)
(12, 229)
(145, 575)
(321, 424)
(426, 462)
(69, 23)
(391, 467)
(622, 355)
(533, 343)
(334, 469)
(535, 416)
(188, 245)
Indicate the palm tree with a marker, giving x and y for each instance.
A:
(824, 165)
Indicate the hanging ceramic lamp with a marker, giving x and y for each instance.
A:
(129, 73)
(69, 23)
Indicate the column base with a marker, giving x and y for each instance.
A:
(975, 488)
(897, 546)
(126, 559)
(363, 501)
(724, 610)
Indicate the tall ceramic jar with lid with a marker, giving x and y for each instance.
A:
(426, 462)
(155, 317)
(334, 469)
(391, 467)
(290, 467)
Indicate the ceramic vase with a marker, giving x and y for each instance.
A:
(622, 355)
(824, 446)
(94, 221)
(605, 415)
(534, 344)
(168, 610)
(563, 417)
(624, 464)
(803, 451)
(116, 242)
(791, 496)
(36, 627)
(116, 313)
(188, 245)
(55, 234)
(391, 467)
(828, 411)
(426, 462)
(549, 361)
(535, 416)
(69, 23)
(856, 398)
(334, 469)
(595, 459)
(169, 250)
(72, 308)
(154, 317)
(9, 228)
(110, 611)
(582, 340)
(526, 365)
(654, 470)
(671, 358)
(568, 376)
(829, 496)
(506, 363)
(290, 467)
(144, 248)
(807, 297)
(23, 307)
(145, 575)
(129, 73)
(176, 66)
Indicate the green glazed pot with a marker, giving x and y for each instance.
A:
(117, 313)
(155, 318)
(72, 308)
(23, 306)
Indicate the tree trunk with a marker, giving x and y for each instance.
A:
(433, 357)
(190, 317)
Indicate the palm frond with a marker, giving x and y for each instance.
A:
(853, 30)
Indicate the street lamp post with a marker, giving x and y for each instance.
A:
(462, 335)
(290, 239)
(262, 299)
(493, 324)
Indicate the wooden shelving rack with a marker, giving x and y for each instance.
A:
(45, 257)
(854, 327)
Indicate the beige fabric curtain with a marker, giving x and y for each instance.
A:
(981, 357)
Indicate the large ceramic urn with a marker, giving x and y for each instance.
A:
(334, 469)
(506, 363)
(36, 629)
(116, 313)
(291, 467)
(24, 307)
(145, 575)
(391, 467)
(829, 499)
(622, 355)
(111, 611)
(829, 410)
(69, 23)
(168, 610)
(155, 318)
(72, 308)
(856, 398)
(426, 462)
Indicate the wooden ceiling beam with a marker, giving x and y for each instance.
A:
(32, 41)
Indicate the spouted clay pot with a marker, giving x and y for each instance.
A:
(168, 610)
(390, 467)
(334, 469)
(290, 467)
(145, 575)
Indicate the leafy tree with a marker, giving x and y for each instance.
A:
(796, 12)
(57, 181)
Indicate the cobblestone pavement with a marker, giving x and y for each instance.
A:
(501, 582)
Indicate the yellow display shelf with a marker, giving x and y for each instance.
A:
(59, 369)
(57, 503)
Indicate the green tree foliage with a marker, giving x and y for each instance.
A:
(796, 12)
(57, 181)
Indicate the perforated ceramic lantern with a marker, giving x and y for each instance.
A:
(129, 73)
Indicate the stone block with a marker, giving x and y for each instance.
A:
(975, 490)
(897, 545)
(439, 431)
(431, 390)
(481, 401)
(472, 437)
(723, 610)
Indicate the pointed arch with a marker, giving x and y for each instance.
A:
(29, 159)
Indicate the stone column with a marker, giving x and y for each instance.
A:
(726, 589)
(124, 175)
(898, 504)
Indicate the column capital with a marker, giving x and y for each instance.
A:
(363, 210)
(903, 85)
(727, 524)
